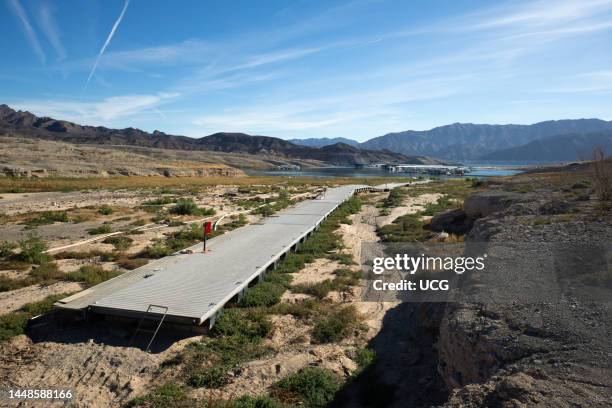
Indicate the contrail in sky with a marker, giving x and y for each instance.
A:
(108, 40)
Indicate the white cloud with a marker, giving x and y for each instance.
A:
(96, 112)
(47, 24)
(27, 28)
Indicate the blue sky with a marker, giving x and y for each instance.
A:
(355, 69)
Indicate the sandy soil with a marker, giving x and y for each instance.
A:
(410, 205)
(100, 374)
(13, 300)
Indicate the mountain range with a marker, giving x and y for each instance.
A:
(324, 141)
(26, 124)
(568, 147)
(559, 140)
(461, 141)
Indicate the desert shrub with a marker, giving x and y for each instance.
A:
(166, 396)
(395, 198)
(250, 323)
(47, 272)
(157, 250)
(261, 401)
(213, 376)
(311, 387)
(263, 294)
(7, 284)
(47, 217)
(132, 263)
(6, 249)
(189, 207)
(102, 229)
(208, 363)
(444, 203)
(80, 254)
(13, 324)
(342, 258)
(121, 243)
(407, 228)
(32, 250)
(364, 358)
(318, 290)
(185, 207)
(92, 275)
(42, 306)
(304, 310)
(106, 210)
(336, 326)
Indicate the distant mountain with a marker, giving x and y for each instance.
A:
(556, 148)
(461, 141)
(323, 141)
(26, 124)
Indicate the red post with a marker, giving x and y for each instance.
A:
(206, 230)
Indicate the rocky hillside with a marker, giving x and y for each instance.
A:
(461, 141)
(26, 124)
(534, 330)
(21, 157)
(556, 148)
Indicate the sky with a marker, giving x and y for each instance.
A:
(299, 69)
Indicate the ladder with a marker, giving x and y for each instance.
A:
(139, 328)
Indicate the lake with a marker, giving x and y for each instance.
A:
(478, 171)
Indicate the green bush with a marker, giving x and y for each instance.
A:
(132, 263)
(313, 387)
(364, 358)
(47, 217)
(13, 324)
(92, 275)
(106, 210)
(214, 376)
(6, 249)
(395, 198)
(120, 242)
(47, 272)
(336, 326)
(318, 290)
(33, 250)
(166, 396)
(250, 323)
(261, 401)
(189, 207)
(157, 250)
(102, 229)
(42, 306)
(263, 294)
(407, 228)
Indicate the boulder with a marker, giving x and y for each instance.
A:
(489, 202)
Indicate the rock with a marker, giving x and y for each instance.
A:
(489, 202)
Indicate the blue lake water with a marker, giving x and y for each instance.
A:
(484, 171)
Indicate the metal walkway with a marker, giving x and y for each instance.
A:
(195, 286)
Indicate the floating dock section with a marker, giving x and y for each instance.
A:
(192, 287)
